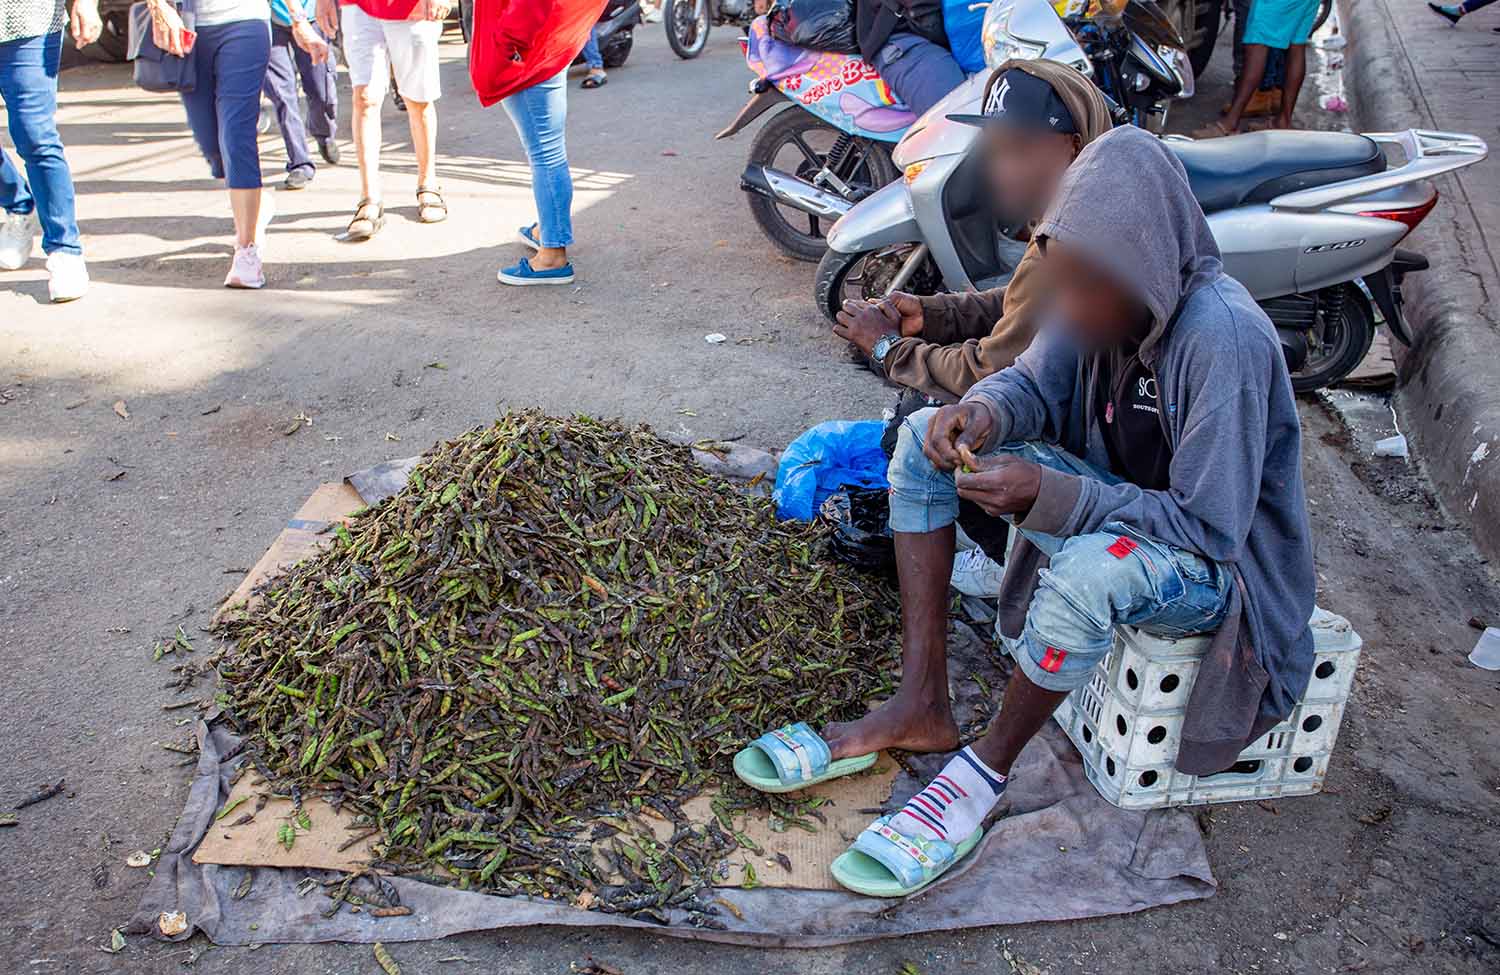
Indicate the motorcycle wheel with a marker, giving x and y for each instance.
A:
(113, 43)
(1340, 346)
(687, 26)
(1324, 9)
(869, 274)
(466, 19)
(618, 49)
(1207, 18)
(797, 142)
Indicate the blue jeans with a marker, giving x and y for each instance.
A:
(28, 85)
(224, 105)
(1092, 582)
(539, 114)
(591, 55)
(287, 63)
(920, 72)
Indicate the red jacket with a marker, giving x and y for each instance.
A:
(518, 43)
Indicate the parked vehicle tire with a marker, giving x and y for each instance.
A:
(114, 38)
(1341, 344)
(687, 24)
(798, 142)
(617, 49)
(1324, 9)
(466, 19)
(1207, 16)
(868, 274)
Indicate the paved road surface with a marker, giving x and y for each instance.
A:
(1392, 869)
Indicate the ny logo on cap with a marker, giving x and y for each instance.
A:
(997, 98)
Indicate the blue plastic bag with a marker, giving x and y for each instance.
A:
(962, 20)
(824, 459)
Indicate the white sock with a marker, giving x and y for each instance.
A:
(953, 804)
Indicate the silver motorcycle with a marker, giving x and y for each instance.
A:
(1308, 222)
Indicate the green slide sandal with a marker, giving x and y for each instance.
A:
(885, 863)
(792, 758)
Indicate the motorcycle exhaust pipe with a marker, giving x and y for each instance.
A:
(796, 193)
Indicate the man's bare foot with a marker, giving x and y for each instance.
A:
(912, 727)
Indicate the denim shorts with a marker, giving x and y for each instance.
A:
(1118, 575)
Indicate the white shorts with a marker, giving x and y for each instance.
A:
(408, 46)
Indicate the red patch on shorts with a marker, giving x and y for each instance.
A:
(1052, 660)
(1122, 547)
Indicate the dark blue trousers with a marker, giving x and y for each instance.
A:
(224, 105)
(288, 63)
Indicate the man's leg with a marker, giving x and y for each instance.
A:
(1296, 71)
(920, 72)
(414, 56)
(280, 86)
(1245, 87)
(319, 81)
(1092, 583)
(28, 84)
(924, 504)
(369, 75)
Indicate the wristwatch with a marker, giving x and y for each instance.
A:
(883, 347)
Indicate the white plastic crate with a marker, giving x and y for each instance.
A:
(1127, 723)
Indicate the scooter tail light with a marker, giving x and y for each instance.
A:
(1410, 216)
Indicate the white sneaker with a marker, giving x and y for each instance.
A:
(68, 277)
(17, 236)
(976, 574)
(246, 271)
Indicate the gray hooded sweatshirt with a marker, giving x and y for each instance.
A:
(1227, 410)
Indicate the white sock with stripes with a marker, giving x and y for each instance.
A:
(953, 804)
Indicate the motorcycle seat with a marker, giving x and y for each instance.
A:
(1257, 167)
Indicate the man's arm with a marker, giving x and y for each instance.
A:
(948, 366)
(950, 318)
(1216, 465)
(1031, 399)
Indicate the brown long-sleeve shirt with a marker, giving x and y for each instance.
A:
(968, 336)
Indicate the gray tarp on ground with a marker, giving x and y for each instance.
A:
(1059, 852)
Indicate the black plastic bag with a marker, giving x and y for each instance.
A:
(818, 25)
(861, 531)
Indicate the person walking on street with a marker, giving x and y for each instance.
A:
(1285, 24)
(520, 58)
(591, 57)
(230, 53)
(42, 199)
(289, 62)
(383, 38)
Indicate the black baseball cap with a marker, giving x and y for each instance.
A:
(1019, 100)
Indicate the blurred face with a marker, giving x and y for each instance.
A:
(1098, 311)
(1023, 168)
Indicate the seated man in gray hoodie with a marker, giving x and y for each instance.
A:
(1147, 447)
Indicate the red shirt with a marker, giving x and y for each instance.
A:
(517, 43)
(386, 9)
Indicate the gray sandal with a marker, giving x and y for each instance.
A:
(431, 207)
(364, 225)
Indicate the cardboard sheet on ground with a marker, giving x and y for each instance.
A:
(1057, 852)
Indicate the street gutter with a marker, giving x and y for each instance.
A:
(1449, 381)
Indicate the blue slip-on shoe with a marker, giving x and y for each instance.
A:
(528, 238)
(522, 273)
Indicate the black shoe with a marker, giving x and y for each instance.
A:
(329, 147)
(298, 178)
(1443, 13)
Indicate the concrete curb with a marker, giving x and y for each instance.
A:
(1449, 387)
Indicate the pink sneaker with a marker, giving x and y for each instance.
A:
(246, 271)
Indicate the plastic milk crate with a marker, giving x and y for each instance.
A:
(1127, 722)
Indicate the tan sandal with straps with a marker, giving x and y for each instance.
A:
(368, 218)
(431, 207)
